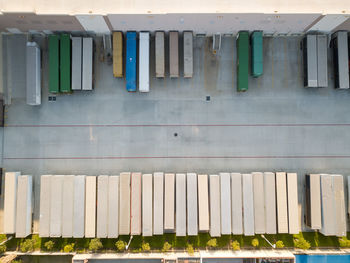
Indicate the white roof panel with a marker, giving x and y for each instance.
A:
(113, 207)
(45, 195)
(79, 206)
(169, 202)
(282, 206)
(225, 203)
(158, 197)
(102, 206)
(124, 204)
(180, 204)
(67, 206)
(214, 194)
(90, 206)
(259, 203)
(338, 186)
(135, 204)
(237, 207)
(10, 197)
(192, 209)
(147, 204)
(293, 208)
(56, 206)
(24, 206)
(203, 203)
(248, 204)
(270, 203)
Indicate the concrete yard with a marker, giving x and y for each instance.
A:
(277, 125)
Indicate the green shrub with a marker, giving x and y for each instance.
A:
(344, 242)
(27, 245)
(95, 244)
(68, 248)
(279, 244)
(120, 245)
(17, 261)
(301, 243)
(255, 242)
(145, 247)
(212, 243)
(235, 245)
(166, 247)
(190, 249)
(49, 245)
(3, 249)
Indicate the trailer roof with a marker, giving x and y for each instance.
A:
(237, 206)
(203, 202)
(214, 194)
(225, 203)
(181, 204)
(158, 197)
(192, 208)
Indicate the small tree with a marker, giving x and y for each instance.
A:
(146, 247)
(255, 242)
(166, 247)
(49, 245)
(190, 249)
(120, 245)
(3, 249)
(95, 244)
(212, 243)
(235, 245)
(279, 244)
(301, 243)
(27, 245)
(344, 242)
(68, 248)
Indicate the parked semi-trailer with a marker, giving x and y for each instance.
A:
(188, 54)
(257, 53)
(174, 54)
(54, 66)
(77, 48)
(33, 74)
(160, 54)
(242, 60)
(144, 62)
(118, 70)
(130, 62)
(339, 44)
(65, 63)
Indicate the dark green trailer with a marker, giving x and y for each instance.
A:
(257, 53)
(65, 63)
(242, 60)
(54, 71)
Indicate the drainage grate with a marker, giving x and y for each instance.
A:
(208, 98)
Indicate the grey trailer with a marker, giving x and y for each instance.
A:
(102, 206)
(45, 196)
(67, 205)
(340, 215)
(158, 204)
(192, 202)
(236, 202)
(203, 203)
(310, 60)
(214, 194)
(259, 203)
(56, 206)
(180, 205)
(248, 205)
(160, 54)
(282, 206)
(33, 74)
(313, 201)
(169, 202)
(270, 203)
(293, 208)
(90, 206)
(77, 48)
(174, 54)
(188, 54)
(225, 203)
(79, 207)
(147, 205)
(339, 44)
(322, 65)
(124, 204)
(87, 69)
(135, 224)
(24, 206)
(327, 206)
(113, 207)
(10, 197)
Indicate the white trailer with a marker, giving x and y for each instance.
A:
(259, 203)
(322, 64)
(56, 206)
(124, 204)
(188, 54)
(160, 54)
(76, 62)
(340, 216)
(169, 202)
(293, 208)
(174, 54)
(282, 206)
(79, 207)
(313, 201)
(225, 203)
(180, 204)
(113, 207)
(10, 197)
(102, 206)
(144, 62)
(135, 204)
(270, 202)
(87, 63)
(67, 205)
(33, 74)
(90, 206)
(147, 204)
(236, 202)
(158, 197)
(214, 194)
(310, 60)
(45, 196)
(192, 209)
(203, 203)
(248, 204)
(328, 206)
(24, 206)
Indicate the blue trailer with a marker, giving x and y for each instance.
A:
(130, 72)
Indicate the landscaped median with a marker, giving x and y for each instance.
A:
(170, 242)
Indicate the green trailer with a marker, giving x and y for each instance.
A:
(54, 64)
(242, 60)
(65, 63)
(257, 53)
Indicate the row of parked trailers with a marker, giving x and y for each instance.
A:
(315, 57)
(142, 57)
(70, 63)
